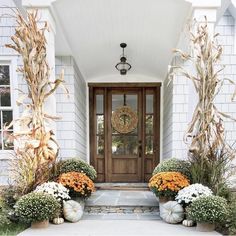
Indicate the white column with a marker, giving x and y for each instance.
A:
(45, 15)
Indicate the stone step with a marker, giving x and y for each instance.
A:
(122, 204)
(121, 209)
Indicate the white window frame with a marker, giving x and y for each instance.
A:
(12, 62)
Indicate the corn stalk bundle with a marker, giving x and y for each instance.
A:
(206, 130)
(36, 145)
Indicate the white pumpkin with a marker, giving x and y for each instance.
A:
(72, 211)
(172, 212)
(188, 223)
(58, 221)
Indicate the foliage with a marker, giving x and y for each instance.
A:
(79, 184)
(208, 209)
(37, 148)
(231, 222)
(214, 170)
(57, 190)
(167, 183)
(77, 165)
(192, 192)
(12, 229)
(9, 196)
(35, 207)
(175, 165)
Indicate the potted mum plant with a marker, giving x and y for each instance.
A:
(166, 185)
(79, 184)
(207, 211)
(192, 192)
(37, 209)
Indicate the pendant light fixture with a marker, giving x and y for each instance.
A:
(123, 66)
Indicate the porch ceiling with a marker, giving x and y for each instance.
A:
(94, 29)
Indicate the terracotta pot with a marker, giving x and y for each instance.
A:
(163, 200)
(205, 227)
(40, 224)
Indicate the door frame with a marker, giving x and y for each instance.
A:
(106, 86)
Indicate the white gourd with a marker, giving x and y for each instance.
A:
(172, 212)
(58, 221)
(72, 210)
(188, 223)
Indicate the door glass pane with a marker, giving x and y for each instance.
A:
(119, 100)
(100, 144)
(149, 145)
(100, 124)
(99, 103)
(124, 145)
(5, 96)
(149, 103)
(4, 75)
(149, 124)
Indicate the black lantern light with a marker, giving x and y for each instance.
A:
(123, 66)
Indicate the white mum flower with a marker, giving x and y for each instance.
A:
(192, 192)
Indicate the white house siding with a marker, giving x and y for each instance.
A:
(179, 98)
(71, 129)
(175, 116)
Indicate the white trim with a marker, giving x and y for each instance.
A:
(12, 62)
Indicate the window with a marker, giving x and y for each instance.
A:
(6, 110)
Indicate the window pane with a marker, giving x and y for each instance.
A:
(4, 75)
(149, 145)
(99, 104)
(149, 103)
(7, 140)
(149, 124)
(118, 101)
(124, 145)
(5, 96)
(100, 124)
(100, 145)
(7, 117)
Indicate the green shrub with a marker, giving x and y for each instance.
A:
(9, 196)
(77, 165)
(209, 209)
(231, 224)
(34, 207)
(174, 165)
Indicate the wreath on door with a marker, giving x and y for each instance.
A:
(124, 120)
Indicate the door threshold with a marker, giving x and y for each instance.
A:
(122, 186)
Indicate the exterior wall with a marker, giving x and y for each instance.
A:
(226, 28)
(175, 118)
(71, 129)
(180, 97)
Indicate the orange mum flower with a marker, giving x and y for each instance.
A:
(167, 183)
(79, 184)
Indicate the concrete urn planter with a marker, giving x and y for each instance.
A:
(205, 227)
(40, 224)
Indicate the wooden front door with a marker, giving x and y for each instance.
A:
(119, 156)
